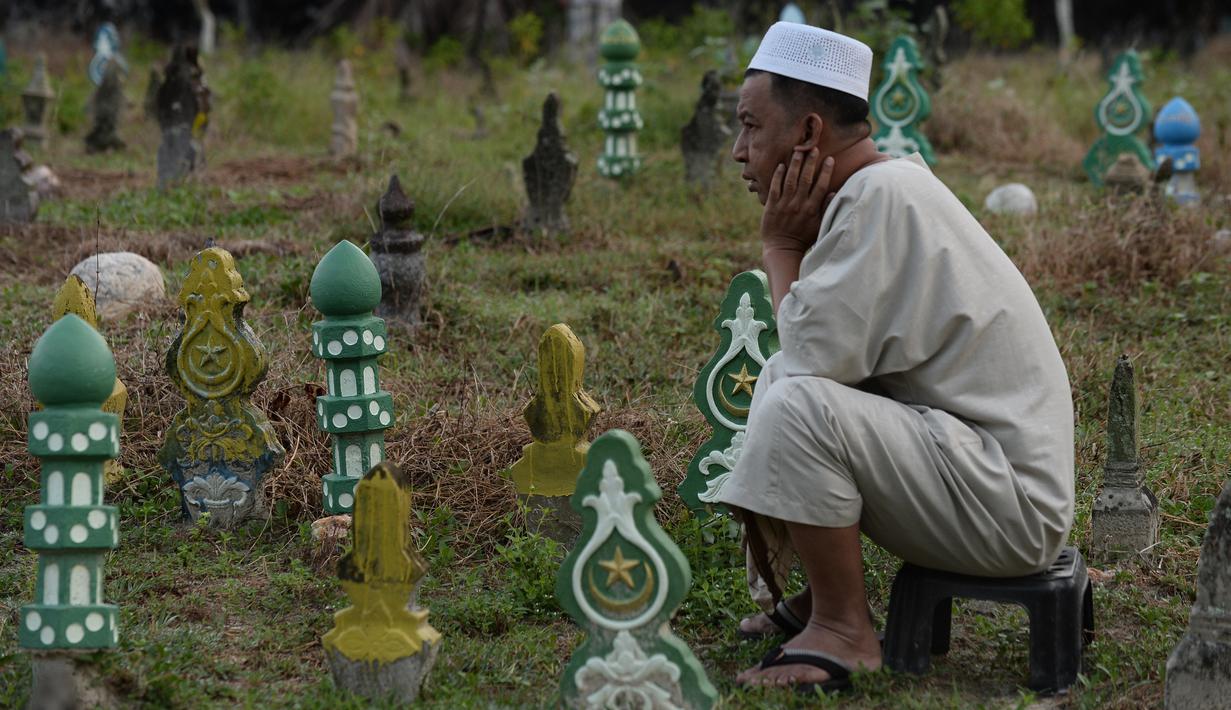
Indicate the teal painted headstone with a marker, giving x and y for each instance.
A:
(622, 583)
(619, 117)
(71, 373)
(723, 390)
(355, 411)
(900, 103)
(1120, 115)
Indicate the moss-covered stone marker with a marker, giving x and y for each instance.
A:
(1125, 514)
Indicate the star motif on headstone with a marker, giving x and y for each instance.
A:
(618, 568)
(898, 97)
(743, 381)
(209, 351)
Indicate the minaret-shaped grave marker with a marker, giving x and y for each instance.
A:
(397, 252)
(382, 643)
(622, 584)
(219, 446)
(1121, 114)
(1177, 128)
(619, 117)
(900, 103)
(1125, 514)
(723, 390)
(355, 411)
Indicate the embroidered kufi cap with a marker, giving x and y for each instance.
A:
(816, 56)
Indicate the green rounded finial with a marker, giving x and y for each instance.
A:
(619, 42)
(345, 282)
(71, 364)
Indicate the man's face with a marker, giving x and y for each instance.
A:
(766, 137)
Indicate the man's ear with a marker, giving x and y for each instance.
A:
(812, 126)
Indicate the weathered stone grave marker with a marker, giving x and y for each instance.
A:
(149, 104)
(219, 446)
(397, 252)
(183, 113)
(1120, 115)
(549, 173)
(900, 103)
(18, 201)
(344, 137)
(382, 644)
(107, 106)
(622, 584)
(619, 117)
(1177, 128)
(705, 135)
(74, 297)
(71, 373)
(723, 390)
(1125, 514)
(35, 100)
(354, 410)
(558, 415)
(1199, 669)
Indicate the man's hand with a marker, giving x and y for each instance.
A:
(797, 199)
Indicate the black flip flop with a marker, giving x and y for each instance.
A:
(782, 616)
(839, 672)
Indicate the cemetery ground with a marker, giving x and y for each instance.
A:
(216, 619)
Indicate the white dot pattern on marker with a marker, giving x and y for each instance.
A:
(38, 519)
(384, 418)
(94, 621)
(316, 338)
(48, 636)
(339, 420)
(34, 620)
(55, 442)
(350, 337)
(374, 408)
(334, 347)
(378, 343)
(367, 337)
(96, 519)
(354, 411)
(78, 533)
(40, 431)
(320, 409)
(98, 431)
(74, 633)
(51, 534)
(346, 500)
(79, 442)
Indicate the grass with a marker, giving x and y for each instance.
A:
(214, 619)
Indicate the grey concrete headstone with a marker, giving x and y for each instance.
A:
(397, 252)
(704, 137)
(183, 110)
(549, 173)
(18, 201)
(1199, 669)
(67, 681)
(107, 107)
(1125, 514)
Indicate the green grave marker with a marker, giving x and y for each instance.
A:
(900, 103)
(1120, 115)
(619, 117)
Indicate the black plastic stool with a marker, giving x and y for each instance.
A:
(1058, 599)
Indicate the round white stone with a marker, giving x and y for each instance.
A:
(350, 337)
(55, 442)
(1013, 198)
(74, 633)
(122, 282)
(367, 337)
(78, 533)
(346, 500)
(354, 411)
(98, 431)
(378, 342)
(374, 408)
(384, 418)
(339, 420)
(334, 347)
(51, 534)
(34, 620)
(80, 442)
(96, 519)
(48, 636)
(94, 621)
(38, 519)
(40, 431)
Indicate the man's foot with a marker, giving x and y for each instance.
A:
(858, 654)
(760, 625)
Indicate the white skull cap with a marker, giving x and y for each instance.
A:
(816, 56)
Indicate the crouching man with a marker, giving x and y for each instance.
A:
(918, 398)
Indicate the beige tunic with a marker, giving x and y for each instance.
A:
(967, 464)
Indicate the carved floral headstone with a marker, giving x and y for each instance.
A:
(382, 644)
(354, 410)
(622, 583)
(397, 252)
(71, 373)
(558, 415)
(549, 173)
(704, 137)
(1121, 114)
(219, 446)
(1125, 513)
(900, 104)
(723, 390)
